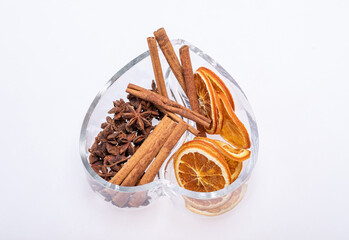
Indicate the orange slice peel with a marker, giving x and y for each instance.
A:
(199, 167)
(227, 150)
(205, 204)
(232, 202)
(217, 84)
(235, 167)
(233, 130)
(207, 98)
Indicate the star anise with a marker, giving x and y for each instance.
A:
(121, 127)
(143, 135)
(111, 123)
(154, 87)
(118, 109)
(101, 150)
(126, 145)
(103, 135)
(112, 138)
(94, 145)
(122, 134)
(134, 101)
(97, 166)
(93, 158)
(112, 149)
(154, 112)
(149, 107)
(106, 175)
(111, 160)
(137, 117)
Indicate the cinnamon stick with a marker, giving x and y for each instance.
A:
(170, 55)
(161, 83)
(190, 84)
(148, 154)
(155, 100)
(160, 134)
(155, 60)
(139, 197)
(167, 104)
(154, 168)
(178, 119)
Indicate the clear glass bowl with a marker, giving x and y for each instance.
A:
(139, 71)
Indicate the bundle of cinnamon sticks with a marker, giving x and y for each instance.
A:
(141, 168)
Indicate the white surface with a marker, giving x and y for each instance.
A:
(289, 57)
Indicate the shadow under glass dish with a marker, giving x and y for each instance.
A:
(140, 72)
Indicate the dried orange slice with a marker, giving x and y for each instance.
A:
(208, 100)
(205, 204)
(233, 130)
(234, 200)
(217, 84)
(199, 167)
(227, 150)
(235, 167)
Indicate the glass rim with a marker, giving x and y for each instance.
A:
(159, 182)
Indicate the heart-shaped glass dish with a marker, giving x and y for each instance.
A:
(140, 72)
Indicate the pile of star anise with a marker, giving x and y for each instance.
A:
(122, 134)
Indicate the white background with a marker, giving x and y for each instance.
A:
(291, 58)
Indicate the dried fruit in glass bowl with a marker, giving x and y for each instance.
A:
(200, 168)
(216, 102)
(208, 101)
(233, 130)
(229, 152)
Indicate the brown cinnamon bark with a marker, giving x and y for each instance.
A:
(163, 154)
(149, 152)
(161, 83)
(159, 77)
(138, 198)
(170, 55)
(178, 119)
(160, 134)
(167, 104)
(190, 84)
